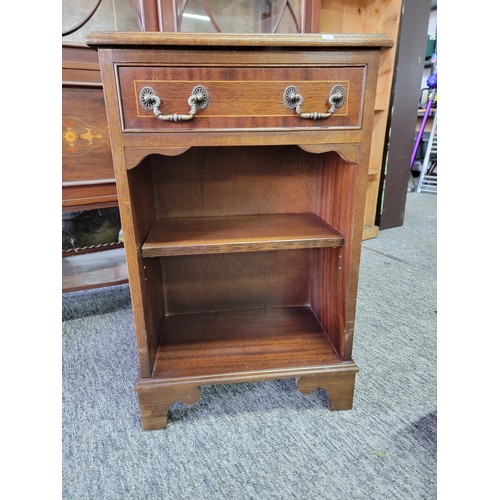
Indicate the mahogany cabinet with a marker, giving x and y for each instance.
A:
(241, 167)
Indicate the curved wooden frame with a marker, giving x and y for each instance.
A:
(284, 5)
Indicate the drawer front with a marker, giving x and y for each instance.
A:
(240, 98)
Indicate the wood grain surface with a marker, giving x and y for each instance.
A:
(277, 308)
(248, 233)
(241, 341)
(143, 39)
(240, 97)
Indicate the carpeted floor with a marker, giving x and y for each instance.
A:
(266, 440)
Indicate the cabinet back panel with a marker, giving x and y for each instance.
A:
(219, 282)
(221, 181)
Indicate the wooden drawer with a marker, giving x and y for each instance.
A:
(240, 98)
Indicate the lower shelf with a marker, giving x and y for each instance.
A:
(242, 345)
(94, 270)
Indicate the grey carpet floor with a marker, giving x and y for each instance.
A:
(266, 440)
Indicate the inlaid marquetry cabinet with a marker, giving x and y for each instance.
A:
(241, 164)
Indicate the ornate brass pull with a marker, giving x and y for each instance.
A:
(151, 102)
(293, 100)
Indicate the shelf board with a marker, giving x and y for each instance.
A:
(245, 233)
(245, 344)
(94, 270)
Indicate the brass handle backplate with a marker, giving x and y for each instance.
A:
(293, 100)
(151, 102)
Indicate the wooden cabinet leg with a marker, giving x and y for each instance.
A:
(155, 401)
(338, 386)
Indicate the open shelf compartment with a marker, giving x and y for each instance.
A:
(242, 342)
(243, 261)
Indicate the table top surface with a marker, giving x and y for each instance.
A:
(145, 39)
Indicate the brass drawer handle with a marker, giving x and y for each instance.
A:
(293, 100)
(151, 102)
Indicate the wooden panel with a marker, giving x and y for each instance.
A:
(167, 15)
(94, 270)
(332, 16)
(143, 215)
(89, 195)
(381, 16)
(254, 40)
(378, 142)
(86, 153)
(81, 77)
(87, 167)
(372, 191)
(204, 345)
(79, 53)
(310, 16)
(243, 137)
(369, 16)
(137, 215)
(238, 57)
(370, 232)
(87, 164)
(221, 282)
(337, 181)
(150, 10)
(240, 97)
(410, 67)
(249, 233)
(224, 181)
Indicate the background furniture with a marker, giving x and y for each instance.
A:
(324, 16)
(88, 180)
(397, 92)
(91, 257)
(370, 16)
(88, 176)
(400, 138)
(242, 213)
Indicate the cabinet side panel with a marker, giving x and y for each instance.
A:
(336, 191)
(341, 195)
(144, 214)
(353, 252)
(127, 201)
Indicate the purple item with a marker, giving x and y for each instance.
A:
(432, 83)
